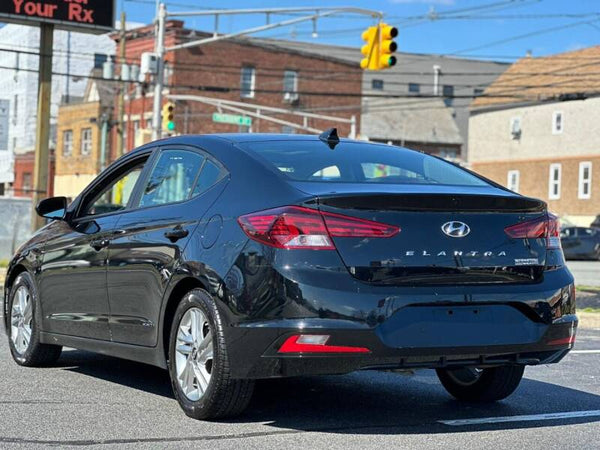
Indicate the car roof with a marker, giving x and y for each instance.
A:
(236, 138)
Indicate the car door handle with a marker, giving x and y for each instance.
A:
(176, 233)
(99, 244)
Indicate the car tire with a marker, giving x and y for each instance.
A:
(190, 361)
(481, 385)
(24, 326)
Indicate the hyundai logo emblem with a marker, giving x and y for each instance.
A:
(456, 229)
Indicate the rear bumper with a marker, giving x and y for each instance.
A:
(274, 298)
(259, 355)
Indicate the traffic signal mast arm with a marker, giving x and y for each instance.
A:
(312, 14)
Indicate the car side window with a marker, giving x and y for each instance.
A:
(209, 175)
(172, 178)
(116, 195)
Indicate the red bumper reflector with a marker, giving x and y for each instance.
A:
(294, 344)
(563, 341)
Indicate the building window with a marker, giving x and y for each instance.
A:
(448, 93)
(86, 141)
(585, 180)
(515, 128)
(415, 88)
(512, 181)
(247, 82)
(286, 129)
(377, 84)
(67, 142)
(477, 92)
(26, 185)
(554, 182)
(99, 60)
(290, 85)
(557, 122)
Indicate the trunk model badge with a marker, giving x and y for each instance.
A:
(456, 229)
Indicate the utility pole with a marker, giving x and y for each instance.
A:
(42, 133)
(436, 79)
(121, 99)
(158, 82)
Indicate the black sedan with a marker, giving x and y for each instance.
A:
(581, 242)
(230, 258)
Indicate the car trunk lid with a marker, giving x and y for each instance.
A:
(444, 238)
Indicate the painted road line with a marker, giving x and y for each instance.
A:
(584, 351)
(527, 418)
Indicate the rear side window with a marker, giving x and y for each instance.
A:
(209, 175)
(358, 162)
(172, 178)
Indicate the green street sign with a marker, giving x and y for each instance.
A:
(232, 118)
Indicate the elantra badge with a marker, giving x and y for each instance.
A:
(456, 229)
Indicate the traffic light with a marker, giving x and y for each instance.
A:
(387, 46)
(371, 48)
(379, 47)
(168, 112)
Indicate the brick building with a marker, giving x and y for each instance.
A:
(23, 175)
(79, 155)
(534, 131)
(74, 54)
(247, 70)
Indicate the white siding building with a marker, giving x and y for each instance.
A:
(74, 54)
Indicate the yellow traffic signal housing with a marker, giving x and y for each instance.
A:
(379, 47)
(371, 48)
(168, 114)
(387, 46)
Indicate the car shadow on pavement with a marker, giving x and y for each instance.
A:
(367, 402)
(390, 403)
(143, 377)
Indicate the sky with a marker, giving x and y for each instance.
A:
(488, 29)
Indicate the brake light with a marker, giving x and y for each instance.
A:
(296, 227)
(547, 227)
(316, 343)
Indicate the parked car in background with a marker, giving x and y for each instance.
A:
(580, 242)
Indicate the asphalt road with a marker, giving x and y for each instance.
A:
(89, 400)
(585, 272)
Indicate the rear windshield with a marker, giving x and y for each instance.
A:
(358, 162)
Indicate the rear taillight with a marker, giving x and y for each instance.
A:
(547, 227)
(295, 227)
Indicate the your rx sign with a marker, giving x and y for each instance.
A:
(88, 16)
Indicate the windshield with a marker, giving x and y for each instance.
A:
(358, 162)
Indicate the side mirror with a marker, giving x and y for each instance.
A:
(52, 208)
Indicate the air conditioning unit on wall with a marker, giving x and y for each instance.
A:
(291, 97)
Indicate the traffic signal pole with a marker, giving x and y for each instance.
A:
(42, 133)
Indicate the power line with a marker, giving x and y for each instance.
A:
(227, 89)
(526, 35)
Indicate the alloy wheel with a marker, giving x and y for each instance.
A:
(194, 354)
(21, 320)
